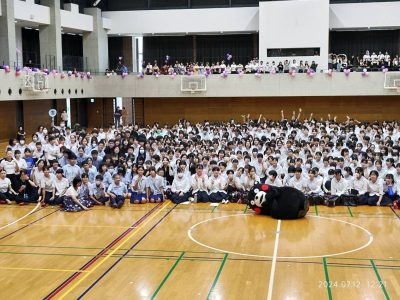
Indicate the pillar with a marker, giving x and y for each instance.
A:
(95, 43)
(50, 38)
(8, 55)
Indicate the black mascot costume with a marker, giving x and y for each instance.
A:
(278, 202)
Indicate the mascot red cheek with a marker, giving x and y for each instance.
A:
(278, 202)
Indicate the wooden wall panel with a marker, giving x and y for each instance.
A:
(139, 111)
(8, 114)
(169, 110)
(36, 113)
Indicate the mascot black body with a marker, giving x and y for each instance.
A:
(278, 202)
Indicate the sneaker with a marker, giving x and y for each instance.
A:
(191, 199)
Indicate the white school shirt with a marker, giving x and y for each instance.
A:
(361, 185)
(4, 184)
(299, 184)
(216, 185)
(47, 183)
(181, 185)
(375, 189)
(72, 192)
(141, 187)
(8, 166)
(22, 165)
(338, 188)
(277, 182)
(61, 185)
(314, 186)
(199, 183)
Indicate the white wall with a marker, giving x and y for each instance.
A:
(31, 12)
(72, 20)
(295, 24)
(214, 20)
(365, 15)
(233, 86)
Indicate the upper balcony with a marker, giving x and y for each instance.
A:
(267, 85)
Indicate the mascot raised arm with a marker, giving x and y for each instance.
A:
(278, 202)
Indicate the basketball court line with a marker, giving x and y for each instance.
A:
(119, 259)
(275, 255)
(41, 270)
(29, 224)
(371, 238)
(28, 214)
(328, 286)
(99, 255)
(218, 259)
(380, 280)
(217, 276)
(168, 275)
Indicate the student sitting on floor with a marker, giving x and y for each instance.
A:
(180, 188)
(118, 192)
(138, 187)
(7, 194)
(216, 186)
(47, 187)
(71, 200)
(234, 188)
(339, 187)
(27, 190)
(359, 184)
(97, 191)
(199, 184)
(390, 190)
(155, 186)
(374, 194)
(84, 191)
(61, 184)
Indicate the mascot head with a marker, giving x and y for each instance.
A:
(257, 197)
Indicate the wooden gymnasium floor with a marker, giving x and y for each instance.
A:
(144, 252)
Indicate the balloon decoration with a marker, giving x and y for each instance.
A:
(173, 75)
(329, 72)
(347, 72)
(69, 73)
(228, 57)
(364, 73)
(241, 73)
(292, 73)
(7, 69)
(258, 75)
(224, 74)
(62, 75)
(140, 75)
(18, 71)
(124, 74)
(273, 71)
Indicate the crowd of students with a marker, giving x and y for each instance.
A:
(371, 62)
(228, 67)
(331, 162)
(336, 62)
